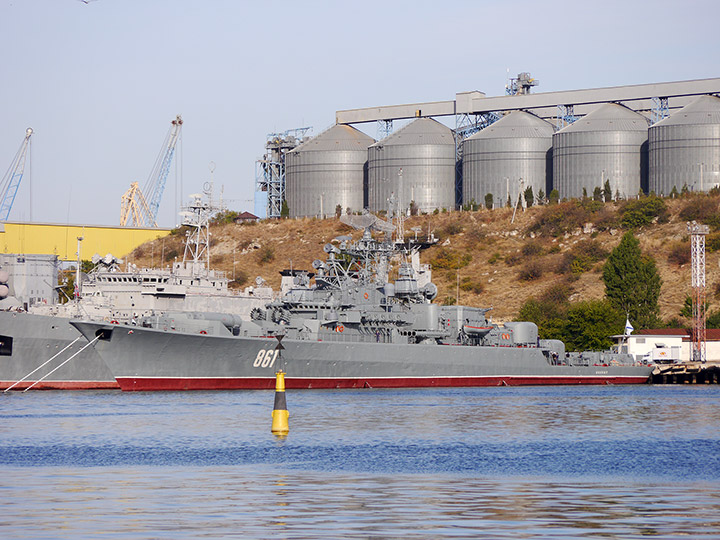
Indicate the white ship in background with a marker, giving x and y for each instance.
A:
(37, 328)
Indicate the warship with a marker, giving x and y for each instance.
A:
(39, 348)
(363, 319)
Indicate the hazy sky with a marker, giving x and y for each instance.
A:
(100, 82)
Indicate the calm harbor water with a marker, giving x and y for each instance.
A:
(553, 462)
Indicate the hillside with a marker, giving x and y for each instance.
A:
(483, 255)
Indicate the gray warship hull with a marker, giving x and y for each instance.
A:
(28, 341)
(143, 359)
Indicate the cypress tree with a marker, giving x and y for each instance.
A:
(607, 191)
(489, 201)
(632, 282)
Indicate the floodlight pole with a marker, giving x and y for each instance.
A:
(697, 247)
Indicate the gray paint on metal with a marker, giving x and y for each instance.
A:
(425, 151)
(637, 96)
(609, 144)
(685, 148)
(327, 171)
(518, 146)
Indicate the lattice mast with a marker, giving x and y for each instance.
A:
(270, 170)
(697, 247)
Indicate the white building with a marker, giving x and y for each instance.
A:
(667, 345)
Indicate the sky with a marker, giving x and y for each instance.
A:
(100, 82)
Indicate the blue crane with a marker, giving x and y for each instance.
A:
(11, 181)
(140, 207)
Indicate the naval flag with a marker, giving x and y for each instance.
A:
(628, 327)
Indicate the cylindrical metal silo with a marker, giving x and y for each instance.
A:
(416, 164)
(685, 148)
(609, 144)
(327, 171)
(512, 154)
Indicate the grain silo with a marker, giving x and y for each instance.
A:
(513, 153)
(685, 148)
(326, 172)
(416, 163)
(607, 145)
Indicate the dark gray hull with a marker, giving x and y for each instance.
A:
(150, 359)
(31, 340)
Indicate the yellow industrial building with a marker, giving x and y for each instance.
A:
(61, 240)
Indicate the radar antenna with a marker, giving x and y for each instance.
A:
(367, 222)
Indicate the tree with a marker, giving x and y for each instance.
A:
(713, 319)
(590, 324)
(529, 197)
(489, 201)
(67, 280)
(597, 194)
(284, 210)
(471, 206)
(632, 282)
(549, 311)
(607, 191)
(687, 309)
(554, 196)
(540, 200)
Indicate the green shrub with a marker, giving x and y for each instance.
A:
(450, 259)
(265, 254)
(468, 285)
(639, 212)
(557, 219)
(454, 227)
(712, 242)
(703, 209)
(224, 218)
(582, 257)
(531, 249)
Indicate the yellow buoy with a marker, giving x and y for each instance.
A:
(280, 413)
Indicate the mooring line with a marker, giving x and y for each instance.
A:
(61, 365)
(42, 366)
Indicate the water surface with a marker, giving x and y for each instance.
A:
(550, 462)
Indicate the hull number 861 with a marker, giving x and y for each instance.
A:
(265, 358)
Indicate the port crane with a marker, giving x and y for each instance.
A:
(139, 207)
(11, 181)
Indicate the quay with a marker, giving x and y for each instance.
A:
(686, 373)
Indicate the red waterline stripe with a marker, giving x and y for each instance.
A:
(152, 384)
(62, 385)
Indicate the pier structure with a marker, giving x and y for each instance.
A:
(686, 373)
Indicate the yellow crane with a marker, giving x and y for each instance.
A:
(135, 210)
